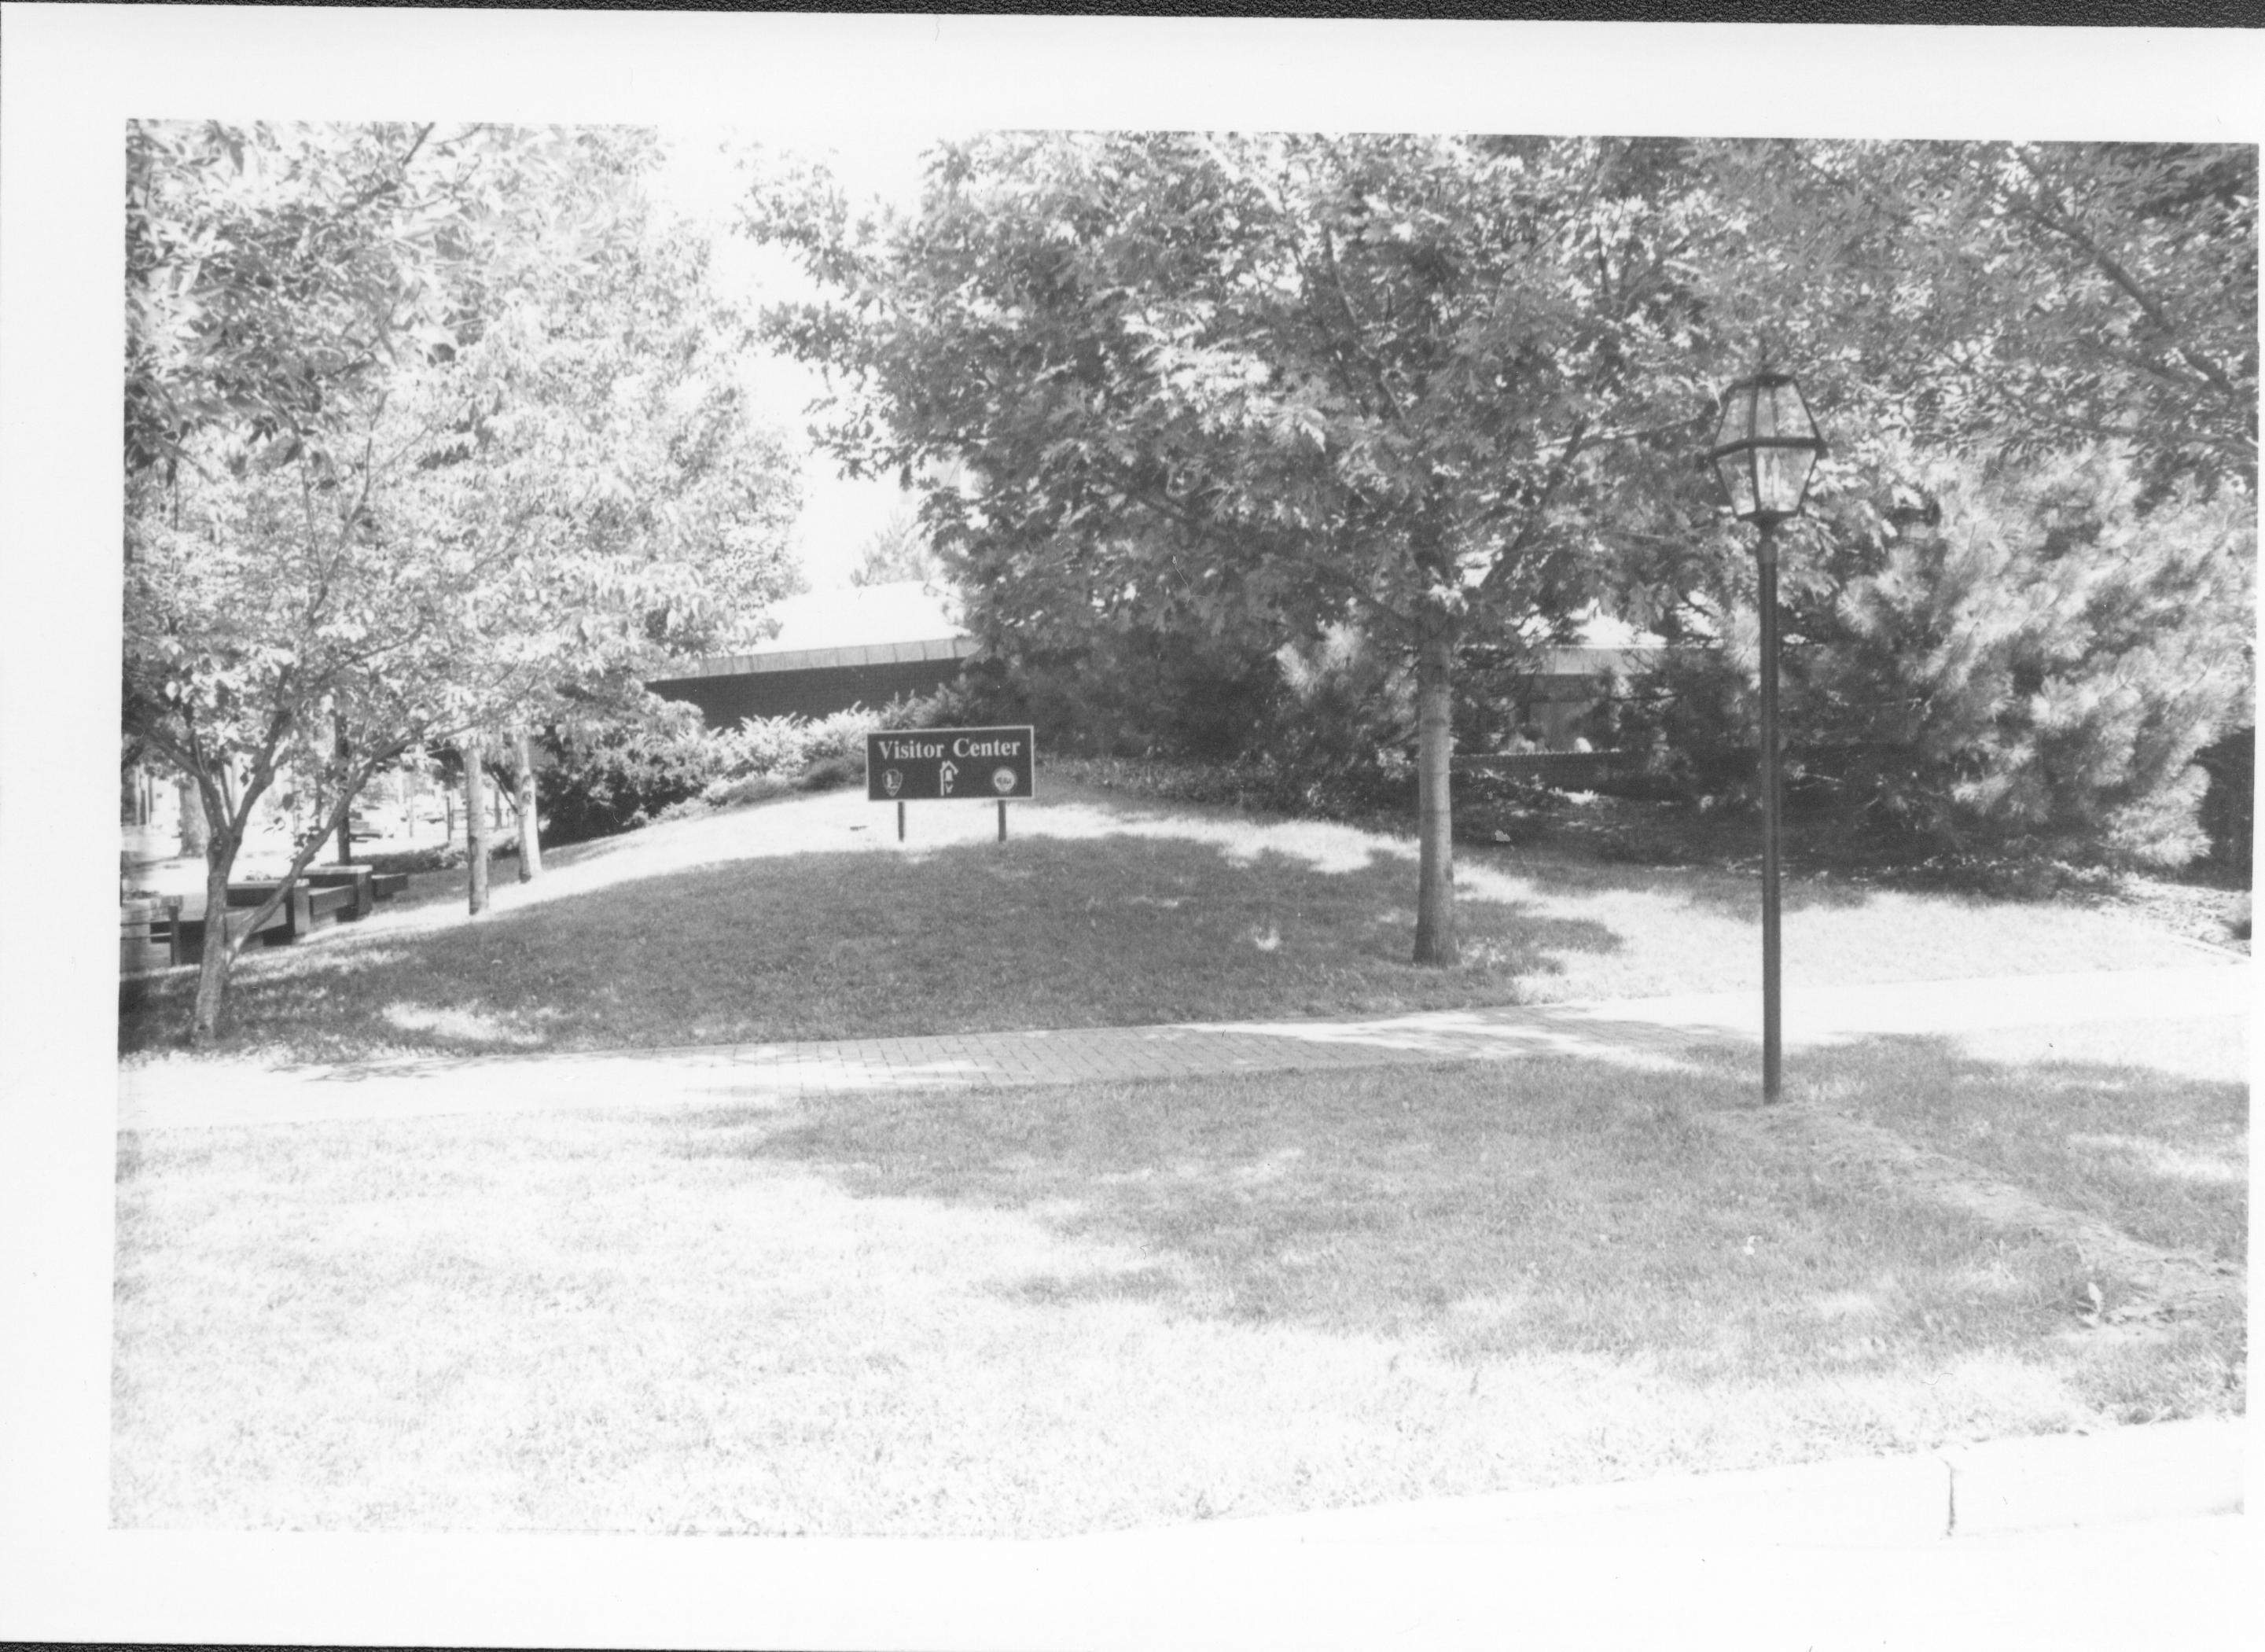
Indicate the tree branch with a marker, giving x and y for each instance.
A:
(2050, 216)
(1497, 576)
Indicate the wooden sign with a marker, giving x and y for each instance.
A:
(951, 765)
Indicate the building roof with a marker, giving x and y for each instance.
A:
(852, 625)
(859, 617)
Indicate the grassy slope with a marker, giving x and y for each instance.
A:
(1032, 1311)
(804, 919)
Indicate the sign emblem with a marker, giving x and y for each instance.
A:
(1003, 779)
(892, 781)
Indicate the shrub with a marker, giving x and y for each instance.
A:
(2229, 808)
(734, 794)
(1346, 718)
(768, 745)
(1130, 692)
(839, 738)
(829, 772)
(616, 772)
(946, 707)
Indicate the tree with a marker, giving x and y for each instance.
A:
(2018, 335)
(1983, 659)
(1262, 386)
(548, 484)
(276, 276)
(1991, 296)
(629, 381)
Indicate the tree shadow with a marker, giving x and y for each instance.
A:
(2142, 1126)
(1732, 891)
(1517, 1207)
(1110, 929)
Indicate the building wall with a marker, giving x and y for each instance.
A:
(815, 691)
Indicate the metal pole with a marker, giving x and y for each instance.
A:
(1003, 819)
(901, 821)
(1770, 999)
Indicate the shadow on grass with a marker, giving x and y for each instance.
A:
(1038, 932)
(2139, 1136)
(1736, 893)
(1523, 1207)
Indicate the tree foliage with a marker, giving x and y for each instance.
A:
(2007, 297)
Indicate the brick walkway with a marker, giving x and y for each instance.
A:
(1645, 1032)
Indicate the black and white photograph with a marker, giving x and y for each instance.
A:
(1004, 831)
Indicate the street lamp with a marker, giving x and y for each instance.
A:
(1764, 450)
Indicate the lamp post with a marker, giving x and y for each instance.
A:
(1764, 450)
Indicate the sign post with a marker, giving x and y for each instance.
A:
(946, 765)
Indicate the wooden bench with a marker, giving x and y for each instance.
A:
(149, 934)
(298, 910)
(324, 894)
(275, 932)
(360, 884)
(311, 905)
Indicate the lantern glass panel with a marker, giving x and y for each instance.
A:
(1737, 409)
(1783, 478)
(1738, 473)
(1763, 421)
(1792, 416)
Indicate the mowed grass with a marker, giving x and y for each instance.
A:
(2144, 1126)
(1034, 1312)
(804, 918)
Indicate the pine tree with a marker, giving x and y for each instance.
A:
(2012, 661)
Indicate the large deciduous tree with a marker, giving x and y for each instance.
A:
(1261, 386)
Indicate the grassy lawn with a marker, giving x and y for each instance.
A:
(2142, 1127)
(1040, 1311)
(803, 918)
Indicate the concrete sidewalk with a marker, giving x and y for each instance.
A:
(1656, 1032)
(1993, 1490)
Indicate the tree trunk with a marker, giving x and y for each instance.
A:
(475, 825)
(194, 833)
(1435, 820)
(523, 805)
(213, 967)
(346, 831)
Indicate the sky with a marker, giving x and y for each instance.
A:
(699, 178)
